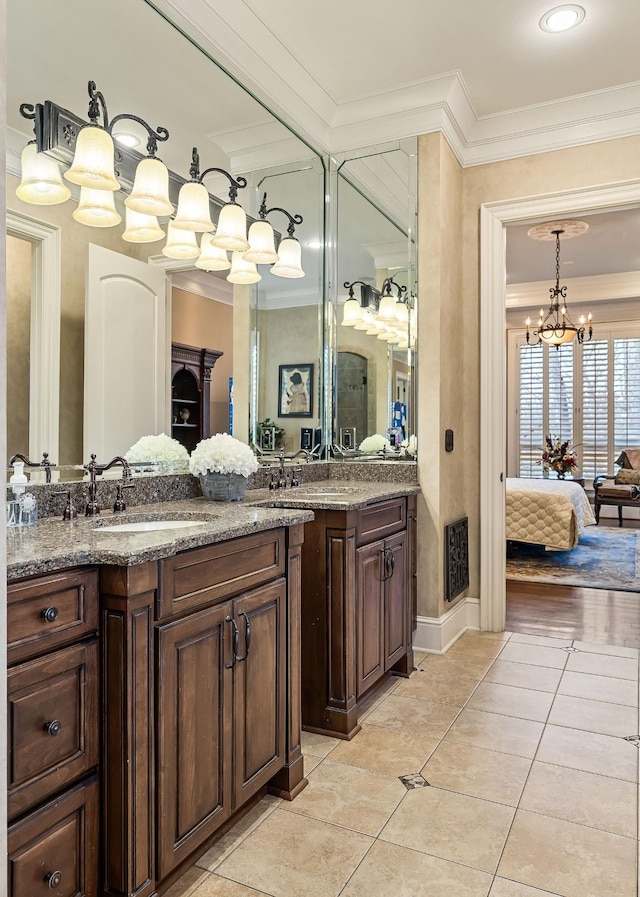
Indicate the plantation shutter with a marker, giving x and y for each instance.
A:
(531, 407)
(595, 407)
(626, 394)
(560, 393)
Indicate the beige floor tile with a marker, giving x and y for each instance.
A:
(599, 688)
(318, 745)
(600, 754)
(216, 886)
(451, 826)
(495, 636)
(569, 859)
(594, 716)
(536, 655)
(355, 798)
(186, 884)
(469, 666)
(425, 718)
(228, 843)
(310, 763)
(542, 640)
(392, 871)
(509, 701)
(504, 888)
(394, 752)
(419, 656)
(430, 686)
(477, 772)
(603, 665)
(524, 675)
(297, 856)
(613, 650)
(491, 730)
(582, 797)
(377, 694)
(484, 647)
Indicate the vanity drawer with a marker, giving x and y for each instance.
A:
(201, 576)
(381, 520)
(49, 611)
(52, 723)
(57, 845)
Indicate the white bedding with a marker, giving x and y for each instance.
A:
(553, 513)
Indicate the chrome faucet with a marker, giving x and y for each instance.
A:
(93, 506)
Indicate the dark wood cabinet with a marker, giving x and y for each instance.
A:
(358, 609)
(190, 393)
(53, 735)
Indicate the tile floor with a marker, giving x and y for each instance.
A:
(519, 783)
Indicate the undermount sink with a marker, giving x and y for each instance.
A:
(148, 526)
(304, 494)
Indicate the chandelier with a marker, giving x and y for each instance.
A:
(100, 171)
(556, 327)
(380, 313)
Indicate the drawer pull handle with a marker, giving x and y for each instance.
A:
(53, 728)
(53, 879)
(49, 614)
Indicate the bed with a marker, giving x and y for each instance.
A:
(553, 513)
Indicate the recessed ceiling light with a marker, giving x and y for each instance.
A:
(126, 139)
(562, 18)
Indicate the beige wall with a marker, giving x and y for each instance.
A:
(458, 366)
(18, 350)
(208, 324)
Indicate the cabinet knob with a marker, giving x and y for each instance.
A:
(49, 614)
(53, 879)
(53, 728)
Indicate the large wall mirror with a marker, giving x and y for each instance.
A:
(270, 333)
(375, 324)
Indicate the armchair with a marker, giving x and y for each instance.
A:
(621, 489)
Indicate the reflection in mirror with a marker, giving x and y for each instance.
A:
(375, 325)
(55, 381)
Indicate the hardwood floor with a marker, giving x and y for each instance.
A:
(590, 615)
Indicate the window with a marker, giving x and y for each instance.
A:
(589, 394)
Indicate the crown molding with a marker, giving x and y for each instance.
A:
(597, 288)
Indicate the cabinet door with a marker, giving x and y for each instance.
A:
(369, 614)
(194, 704)
(260, 685)
(397, 600)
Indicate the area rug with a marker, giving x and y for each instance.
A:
(604, 558)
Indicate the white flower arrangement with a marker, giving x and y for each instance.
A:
(375, 443)
(222, 454)
(409, 446)
(161, 448)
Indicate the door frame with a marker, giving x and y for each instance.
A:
(494, 218)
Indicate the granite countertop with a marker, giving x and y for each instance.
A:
(54, 544)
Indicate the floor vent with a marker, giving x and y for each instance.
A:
(456, 542)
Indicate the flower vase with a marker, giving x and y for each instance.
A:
(223, 486)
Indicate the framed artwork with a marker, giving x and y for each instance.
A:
(295, 390)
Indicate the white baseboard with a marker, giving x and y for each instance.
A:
(435, 635)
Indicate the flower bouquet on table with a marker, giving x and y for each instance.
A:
(223, 465)
(558, 456)
(161, 453)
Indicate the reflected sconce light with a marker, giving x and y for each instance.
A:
(181, 244)
(287, 261)
(96, 208)
(212, 258)
(41, 183)
(352, 311)
(379, 314)
(141, 228)
(242, 271)
(556, 327)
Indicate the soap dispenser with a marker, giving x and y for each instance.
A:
(22, 510)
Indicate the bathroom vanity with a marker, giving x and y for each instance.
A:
(154, 691)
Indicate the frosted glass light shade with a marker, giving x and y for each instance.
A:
(150, 194)
(41, 182)
(231, 232)
(289, 259)
(141, 228)
(367, 320)
(93, 160)
(557, 337)
(96, 208)
(211, 258)
(242, 271)
(193, 208)
(351, 313)
(387, 310)
(262, 248)
(402, 313)
(181, 244)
